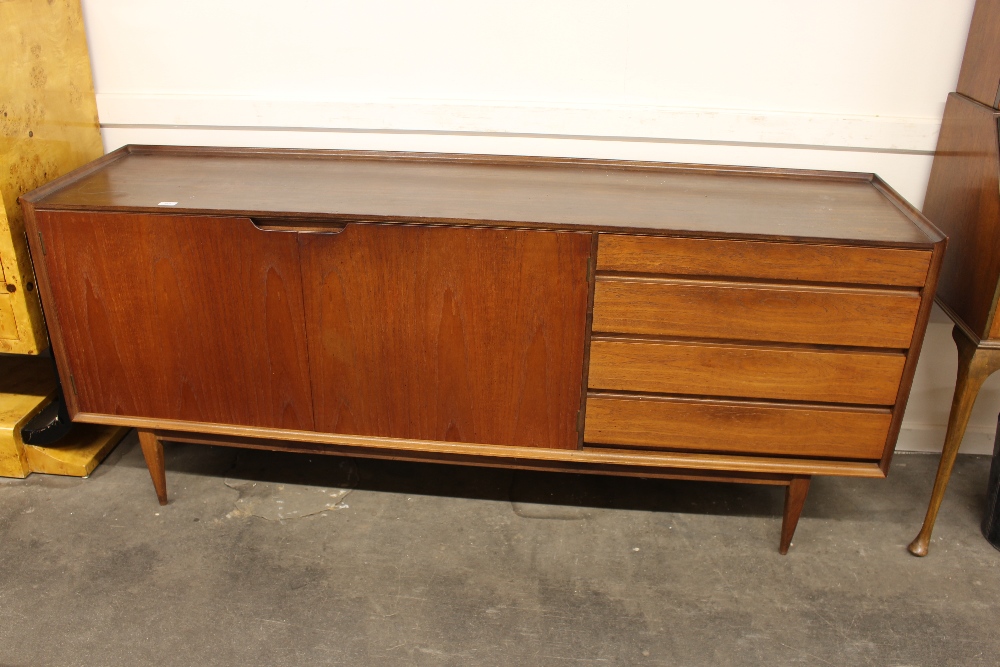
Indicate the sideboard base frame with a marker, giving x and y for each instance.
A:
(796, 486)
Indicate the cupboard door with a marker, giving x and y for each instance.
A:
(192, 318)
(444, 333)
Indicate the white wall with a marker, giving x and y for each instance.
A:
(854, 84)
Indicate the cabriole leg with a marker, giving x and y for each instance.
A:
(795, 498)
(974, 366)
(152, 451)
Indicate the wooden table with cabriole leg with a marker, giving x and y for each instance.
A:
(977, 360)
(963, 199)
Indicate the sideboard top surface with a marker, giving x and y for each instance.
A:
(534, 192)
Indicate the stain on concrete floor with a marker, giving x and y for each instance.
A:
(292, 498)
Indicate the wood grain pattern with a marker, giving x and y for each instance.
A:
(444, 333)
(980, 74)
(697, 368)
(963, 199)
(518, 191)
(746, 311)
(734, 426)
(761, 259)
(179, 317)
(8, 324)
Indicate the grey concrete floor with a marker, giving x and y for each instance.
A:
(279, 559)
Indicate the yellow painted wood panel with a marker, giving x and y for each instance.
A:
(27, 384)
(78, 453)
(8, 327)
(48, 126)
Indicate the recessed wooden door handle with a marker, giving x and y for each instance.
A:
(305, 225)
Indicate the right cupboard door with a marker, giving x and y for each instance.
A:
(455, 334)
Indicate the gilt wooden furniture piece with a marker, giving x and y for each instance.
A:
(48, 127)
(712, 323)
(48, 122)
(963, 199)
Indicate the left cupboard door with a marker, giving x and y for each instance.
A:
(177, 317)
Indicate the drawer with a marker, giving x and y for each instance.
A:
(748, 311)
(763, 260)
(735, 426)
(712, 369)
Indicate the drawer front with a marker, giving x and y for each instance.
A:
(763, 260)
(739, 427)
(759, 312)
(707, 369)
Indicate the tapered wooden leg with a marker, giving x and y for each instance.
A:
(974, 366)
(795, 498)
(152, 451)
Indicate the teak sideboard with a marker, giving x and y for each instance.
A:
(658, 320)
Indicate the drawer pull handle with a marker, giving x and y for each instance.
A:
(303, 225)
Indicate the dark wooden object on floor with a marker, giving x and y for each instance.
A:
(680, 321)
